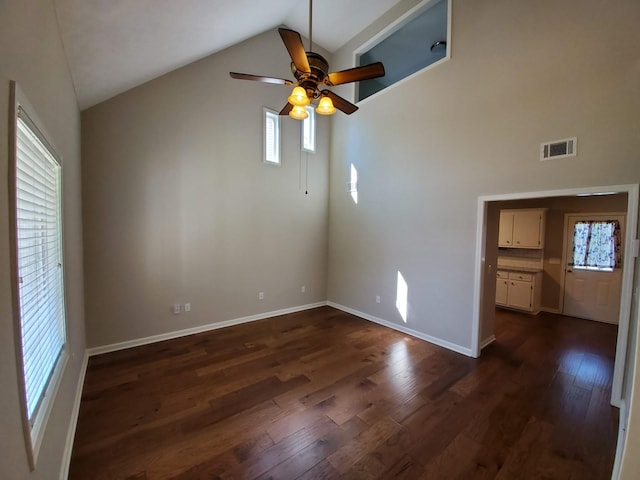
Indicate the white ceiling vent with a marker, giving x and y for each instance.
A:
(559, 149)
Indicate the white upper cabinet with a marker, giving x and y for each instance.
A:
(522, 228)
(505, 234)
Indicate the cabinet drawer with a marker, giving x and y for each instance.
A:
(502, 274)
(525, 277)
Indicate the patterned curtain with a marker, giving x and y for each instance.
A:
(597, 244)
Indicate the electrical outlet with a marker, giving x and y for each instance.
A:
(377, 298)
(303, 289)
(176, 309)
(187, 307)
(261, 296)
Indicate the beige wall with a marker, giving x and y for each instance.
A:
(178, 206)
(521, 73)
(426, 149)
(32, 54)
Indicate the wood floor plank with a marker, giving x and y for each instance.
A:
(321, 471)
(288, 448)
(322, 394)
(317, 451)
(454, 462)
(345, 457)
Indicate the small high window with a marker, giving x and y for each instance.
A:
(271, 143)
(309, 131)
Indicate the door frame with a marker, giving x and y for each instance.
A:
(626, 294)
(565, 245)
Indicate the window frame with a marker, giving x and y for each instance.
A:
(389, 30)
(310, 121)
(34, 428)
(599, 268)
(268, 113)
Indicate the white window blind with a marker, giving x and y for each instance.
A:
(39, 262)
(271, 137)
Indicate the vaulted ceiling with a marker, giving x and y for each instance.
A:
(115, 45)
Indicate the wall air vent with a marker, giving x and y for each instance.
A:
(559, 149)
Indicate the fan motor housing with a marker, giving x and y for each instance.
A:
(318, 65)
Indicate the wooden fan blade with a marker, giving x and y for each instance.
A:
(340, 103)
(296, 50)
(356, 74)
(259, 78)
(287, 108)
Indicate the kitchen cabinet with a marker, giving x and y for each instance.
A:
(502, 287)
(522, 228)
(518, 290)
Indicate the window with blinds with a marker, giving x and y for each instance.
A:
(40, 285)
(271, 129)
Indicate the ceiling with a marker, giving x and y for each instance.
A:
(115, 45)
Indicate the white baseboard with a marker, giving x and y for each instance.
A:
(409, 331)
(71, 431)
(488, 341)
(203, 328)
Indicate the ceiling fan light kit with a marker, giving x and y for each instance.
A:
(311, 70)
(299, 98)
(298, 112)
(325, 107)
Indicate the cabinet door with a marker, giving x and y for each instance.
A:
(505, 232)
(526, 229)
(502, 287)
(520, 294)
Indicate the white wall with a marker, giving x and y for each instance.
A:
(178, 206)
(521, 73)
(32, 54)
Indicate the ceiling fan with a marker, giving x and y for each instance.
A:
(311, 71)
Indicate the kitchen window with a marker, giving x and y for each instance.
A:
(597, 245)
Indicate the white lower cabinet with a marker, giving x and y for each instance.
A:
(502, 287)
(518, 290)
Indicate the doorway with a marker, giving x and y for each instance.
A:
(484, 292)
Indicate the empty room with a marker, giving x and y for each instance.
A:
(319, 239)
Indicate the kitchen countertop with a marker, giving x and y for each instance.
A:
(519, 269)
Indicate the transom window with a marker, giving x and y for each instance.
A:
(414, 42)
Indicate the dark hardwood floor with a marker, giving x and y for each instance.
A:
(322, 394)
